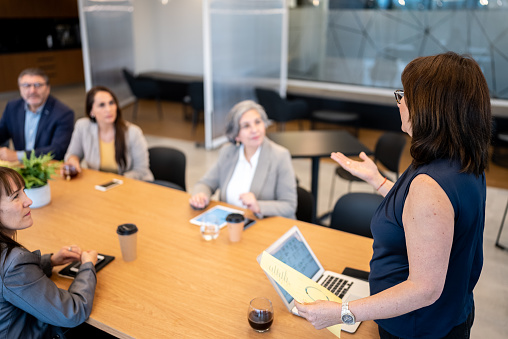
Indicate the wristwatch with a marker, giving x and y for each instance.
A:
(347, 317)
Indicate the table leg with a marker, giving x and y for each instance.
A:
(314, 185)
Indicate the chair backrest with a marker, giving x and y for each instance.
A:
(168, 184)
(274, 105)
(141, 87)
(353, 212)
(389, 148)
(196, 94)
(168, 164)
(305, 207)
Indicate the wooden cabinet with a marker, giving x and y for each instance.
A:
(38, 8)
(63, 67)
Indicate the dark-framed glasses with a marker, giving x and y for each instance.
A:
(399, 94)
(36, 85)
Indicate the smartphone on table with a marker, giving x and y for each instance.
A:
(108, 185)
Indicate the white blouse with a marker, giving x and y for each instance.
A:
(241, 179)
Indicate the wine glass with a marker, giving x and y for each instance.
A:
(260, 314)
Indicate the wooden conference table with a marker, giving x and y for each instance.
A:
(180, 285)
(317, 144)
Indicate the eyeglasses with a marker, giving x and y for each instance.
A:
(36, 85)
(399, 94)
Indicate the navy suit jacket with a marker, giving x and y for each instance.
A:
(53, 133)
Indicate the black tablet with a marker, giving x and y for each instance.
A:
(70, 270)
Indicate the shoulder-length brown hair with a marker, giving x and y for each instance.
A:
(120, 125)
(449, 109)
(10, 181)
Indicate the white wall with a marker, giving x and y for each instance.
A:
(168, 38)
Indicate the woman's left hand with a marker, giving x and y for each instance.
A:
(321, 314)
(249, 200)
(66, 255)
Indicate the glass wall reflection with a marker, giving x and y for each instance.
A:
(369, 42)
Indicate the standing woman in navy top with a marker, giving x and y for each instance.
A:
(428, 231)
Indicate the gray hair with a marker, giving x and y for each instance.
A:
(236, 113)
(34, 71)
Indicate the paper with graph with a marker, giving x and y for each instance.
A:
(300, 287)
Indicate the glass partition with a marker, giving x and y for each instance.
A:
(106, 29)
(245, 47)
(369, 42)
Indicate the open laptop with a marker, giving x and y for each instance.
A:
(293, 250)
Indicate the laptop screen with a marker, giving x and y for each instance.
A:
(295, 253)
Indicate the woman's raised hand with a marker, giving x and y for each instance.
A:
(365, 169)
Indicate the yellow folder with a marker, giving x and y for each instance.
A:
(300, 287)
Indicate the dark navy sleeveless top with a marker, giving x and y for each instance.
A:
(389, 265)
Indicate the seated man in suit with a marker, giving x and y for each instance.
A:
(37, 122)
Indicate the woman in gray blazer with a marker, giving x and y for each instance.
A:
(252, 172)
(31, 305)
(106, 142)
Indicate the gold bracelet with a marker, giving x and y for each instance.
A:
(381, 184)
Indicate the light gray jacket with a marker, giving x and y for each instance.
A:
(85, 145)
(31, 305)
(274, 182)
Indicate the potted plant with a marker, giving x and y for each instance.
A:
(36, 171)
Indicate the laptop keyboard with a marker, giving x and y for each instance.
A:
(337, 286)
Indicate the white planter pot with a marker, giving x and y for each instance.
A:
(40, 196)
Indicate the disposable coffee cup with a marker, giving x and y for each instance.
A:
(235, 223)
(128, 234)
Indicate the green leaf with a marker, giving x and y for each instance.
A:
(36, 171)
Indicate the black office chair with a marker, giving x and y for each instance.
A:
(305, 207)
(353, 213)
(281, 110)
(168, 167)
(388, 152)
(500, 141)
(196, 100)
(143, 88)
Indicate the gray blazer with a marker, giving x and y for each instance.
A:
(85, 145)
(274, 182)
(31, 305)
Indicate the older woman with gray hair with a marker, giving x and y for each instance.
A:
(252, 171)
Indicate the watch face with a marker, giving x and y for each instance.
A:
(348, 319)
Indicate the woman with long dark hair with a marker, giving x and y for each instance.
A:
(428, 230)
(106, 142)
(31, 305)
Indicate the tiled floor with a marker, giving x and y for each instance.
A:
(491, 293)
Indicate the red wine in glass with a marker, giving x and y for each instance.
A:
(69, 171)
(260, 320)
(260, 314)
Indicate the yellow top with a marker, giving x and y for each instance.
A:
(107, 151)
